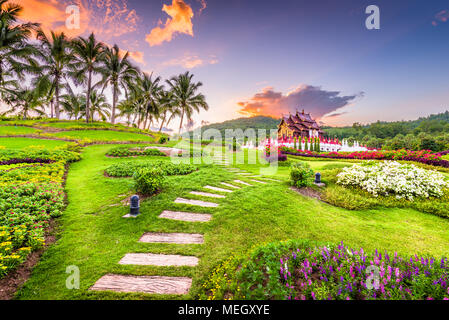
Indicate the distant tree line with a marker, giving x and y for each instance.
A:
(54, 63)
(430, 133)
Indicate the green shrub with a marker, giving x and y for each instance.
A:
(128, 168)
(162, 139)
(301, 174)
(148, 181)
(133, 151)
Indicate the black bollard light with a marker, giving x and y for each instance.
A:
(317, 178)
(134, 206)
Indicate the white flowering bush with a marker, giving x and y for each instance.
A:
(392, 178)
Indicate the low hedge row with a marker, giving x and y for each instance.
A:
(133, 151)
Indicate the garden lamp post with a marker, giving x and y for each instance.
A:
(134, 206)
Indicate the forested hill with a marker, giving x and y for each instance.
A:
(430, 132)
(258, 122)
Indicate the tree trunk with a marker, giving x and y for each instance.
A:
(51, 107)
(180, 125)
(114, 101)
(163, 120)
(57, 99)
(89, 85)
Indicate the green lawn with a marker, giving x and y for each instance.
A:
(446, 157)
(94, 237)
(16, 130)
(104, 135)
(20, 143)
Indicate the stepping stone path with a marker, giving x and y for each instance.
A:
(162, 260)
(177, 238)
(229, 185)
(196, 202)
(258, 181)
(185, 216)
(217, 189)
(242, 182)
(171, 285)
(143, 284)
(206, 194)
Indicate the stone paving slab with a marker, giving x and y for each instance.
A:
(244, 173)
(230, 185)
(185, 216)
(162, 260)
(242, 182)
(206, 194)
(217, 189)
(196, 202)
(143, 284)
(258, 181)
(176, 238)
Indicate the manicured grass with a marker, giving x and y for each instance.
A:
(16, 130)
(446, 157)
(20, 143)
(104, 135)
(94, 237)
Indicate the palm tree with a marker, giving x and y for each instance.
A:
(57, 62)
(72, 103)
(88, 53)
(98, 104)
(148, 92)
(16, 55)
(25, 100)
(185, 96)
(165, 101)
(117, 72)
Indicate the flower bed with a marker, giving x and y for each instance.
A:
(133, 151)
(423, 156)
(167, 168)
(392, 178)
(30, 195)
(303, 270)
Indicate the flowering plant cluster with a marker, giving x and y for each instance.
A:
(31, 193)
(423, 156)
(392, 178)
(341, 273)
(136, 151)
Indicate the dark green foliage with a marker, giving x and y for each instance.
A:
(127, 169)
(148, 181)
(133, 151)
(301, 174)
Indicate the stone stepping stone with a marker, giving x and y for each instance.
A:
(258, 181)
(270, 179)
(206, 194)
(217, 189)
(161, 260)
(176, 238)
(242, 182)
(196, 202)
(143, 284)
(185, 216)
(230, 185)
(244, 173)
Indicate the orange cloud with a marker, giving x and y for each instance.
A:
(107, 18)
(190, 61)
(180, 21)
(313, 99)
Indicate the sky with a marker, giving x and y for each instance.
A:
(274, 57)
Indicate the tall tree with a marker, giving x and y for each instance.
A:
(118, 72)
(57, 62)
(25, 100)
(88, 54)
(98, 105)
(16, 54)
(185, 96)
(149, 90)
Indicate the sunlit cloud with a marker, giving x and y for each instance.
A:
(313, 99)
(179, 22)
(203, 6)
(190, 61)
(440, 17)
(107, 18)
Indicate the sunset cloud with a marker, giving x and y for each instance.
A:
(313, 99)
(190, 61)
(442, 16)
(107, 18)
(180, 21)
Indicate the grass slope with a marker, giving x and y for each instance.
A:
(20, 143)
(104, 135)
(94, 237)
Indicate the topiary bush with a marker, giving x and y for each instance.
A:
(148, 181)
(301, 174)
